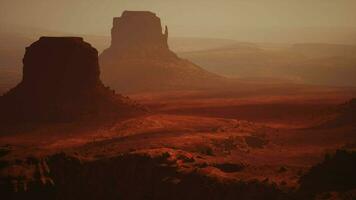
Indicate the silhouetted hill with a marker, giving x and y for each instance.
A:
(321, 64)
(320, 50)
(61, 83)
(335, 174)
(139, 58)
(312, 63)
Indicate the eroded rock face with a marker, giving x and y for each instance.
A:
(60, 65)
(139, 58)
(60, 82)
(139, 34)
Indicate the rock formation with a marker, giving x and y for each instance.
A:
(139, 58)
(153, 174)
(139, 34)
(60, 82)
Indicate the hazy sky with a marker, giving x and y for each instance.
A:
(200, 18)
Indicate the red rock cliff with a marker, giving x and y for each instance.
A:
(60, 65)
(60, 82)
(136, 32)
(139, 58)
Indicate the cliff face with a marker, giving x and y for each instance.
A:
(138, 34)
(139, 58)
(60, 82)
(61, 66)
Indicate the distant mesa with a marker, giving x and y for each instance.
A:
(139, 34)
(139, 58)
(61, 82)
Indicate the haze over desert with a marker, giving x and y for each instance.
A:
(178, 100)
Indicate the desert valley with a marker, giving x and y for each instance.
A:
(146, 117)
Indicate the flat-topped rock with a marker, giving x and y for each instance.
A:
(138, 33)
(61, 81)
(139, 58)
(61, 39)
(60, 63)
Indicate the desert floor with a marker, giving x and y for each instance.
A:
(271, 133)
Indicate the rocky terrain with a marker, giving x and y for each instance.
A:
(336, 173)
(246, 148)
(139, 58)
(153, 174)
(253, 141)
(166, 174)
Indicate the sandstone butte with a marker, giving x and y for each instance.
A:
(61, 82)
(139, 58)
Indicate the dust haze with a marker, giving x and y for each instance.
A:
(254, 21)
(160, 99)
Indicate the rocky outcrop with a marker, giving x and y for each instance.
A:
(61, 81)
(163, 173)
(139, 58)
(68, 64)
(335, 174)
(139, 34)
(152, 174)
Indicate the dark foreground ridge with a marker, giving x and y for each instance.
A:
(139, 58)
(161, 174)
(153, 174)
(61, 82)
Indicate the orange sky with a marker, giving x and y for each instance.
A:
(234, 19)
